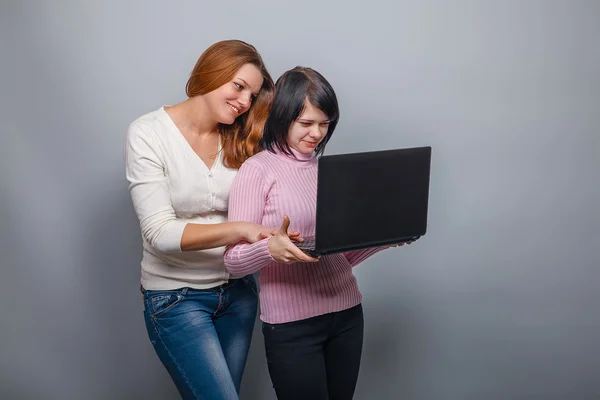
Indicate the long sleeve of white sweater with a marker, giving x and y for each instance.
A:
(149, 189)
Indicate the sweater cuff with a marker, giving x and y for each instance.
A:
(246, 259)
(170, 239)
(259, 255)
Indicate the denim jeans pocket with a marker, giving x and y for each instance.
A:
(161, 302)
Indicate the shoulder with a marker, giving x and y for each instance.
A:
(146, 138)
(257, 168)
(147, 125)
(149, 119)
(260, 162)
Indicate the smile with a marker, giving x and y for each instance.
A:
(235, 109)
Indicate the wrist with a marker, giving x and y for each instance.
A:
(239, 230)
(269, 249)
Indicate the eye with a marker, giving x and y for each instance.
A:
(305, 124)
(253, 97)
(325, 124)
(238, 86)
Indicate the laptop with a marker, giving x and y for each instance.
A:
(370, 199)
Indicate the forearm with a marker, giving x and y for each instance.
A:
(246, 203)
(244, 258)
(358, 256)
(210, 236)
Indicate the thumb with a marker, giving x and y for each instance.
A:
(285, 225)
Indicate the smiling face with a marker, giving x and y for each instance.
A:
(234, 98)
(308, 130)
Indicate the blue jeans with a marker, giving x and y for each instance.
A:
(202, 337)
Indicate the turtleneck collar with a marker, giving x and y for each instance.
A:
(302, 156)
(296, 156)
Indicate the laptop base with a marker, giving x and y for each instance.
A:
(308, 246)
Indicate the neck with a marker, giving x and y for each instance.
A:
(193, 116)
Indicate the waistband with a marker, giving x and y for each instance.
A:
(230, 282)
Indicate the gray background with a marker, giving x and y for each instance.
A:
(498, 301)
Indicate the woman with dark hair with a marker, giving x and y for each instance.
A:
(311, 311)
(180, 163)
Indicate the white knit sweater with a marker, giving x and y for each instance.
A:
(171, 186)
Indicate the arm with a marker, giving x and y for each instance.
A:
(357, 256)
(148, 186)
(247, 200)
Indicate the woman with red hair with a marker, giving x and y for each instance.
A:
(180, 164)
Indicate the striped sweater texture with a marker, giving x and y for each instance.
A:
(267, 187)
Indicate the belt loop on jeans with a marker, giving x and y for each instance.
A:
(184, 291)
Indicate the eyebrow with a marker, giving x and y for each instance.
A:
(247, 84)
(312, 120)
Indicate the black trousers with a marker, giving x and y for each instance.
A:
(317, 358)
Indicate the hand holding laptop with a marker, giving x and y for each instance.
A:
(283, 250)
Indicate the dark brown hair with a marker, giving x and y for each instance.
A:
(293, 89)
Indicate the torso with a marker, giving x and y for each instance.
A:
(301, 290)
(195, 185)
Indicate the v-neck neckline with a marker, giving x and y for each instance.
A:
(189, 147)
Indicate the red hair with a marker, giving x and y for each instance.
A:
(217, 66)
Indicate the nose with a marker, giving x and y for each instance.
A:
(244, 99)
(315, 132)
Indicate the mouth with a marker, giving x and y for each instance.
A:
(310, 144)
(234, 109)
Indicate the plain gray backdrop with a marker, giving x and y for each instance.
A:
(498, 301)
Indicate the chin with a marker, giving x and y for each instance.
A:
(228, 120)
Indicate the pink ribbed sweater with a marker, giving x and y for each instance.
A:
(267, 187)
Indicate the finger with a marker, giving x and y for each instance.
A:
(285, 225)
(302, 256)
(287, 258)
(296, 237)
